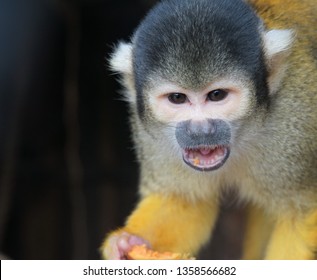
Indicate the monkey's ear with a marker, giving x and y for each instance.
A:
(121, 63)
(277, 45)
(121, 59)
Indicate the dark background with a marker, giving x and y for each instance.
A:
(68, 173)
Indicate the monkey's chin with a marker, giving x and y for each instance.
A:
(206, 158)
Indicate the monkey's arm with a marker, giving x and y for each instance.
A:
(294, 238)
(168, 223)
(258, 229)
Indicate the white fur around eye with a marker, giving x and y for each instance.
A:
(236, 104)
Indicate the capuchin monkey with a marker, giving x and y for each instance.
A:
(223, 94)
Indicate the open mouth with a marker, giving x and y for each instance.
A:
(206, 158)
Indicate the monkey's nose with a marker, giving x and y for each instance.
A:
(195, 127)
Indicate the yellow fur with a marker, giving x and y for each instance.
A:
(289, 14)
(257, 233)
(172, 223)
(294, 238)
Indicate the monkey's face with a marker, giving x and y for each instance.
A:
(193, 81)
(199, 122)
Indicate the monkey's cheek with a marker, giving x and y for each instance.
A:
(207, 158)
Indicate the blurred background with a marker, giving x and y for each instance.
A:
(68, 173)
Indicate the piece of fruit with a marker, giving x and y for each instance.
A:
(141, 252)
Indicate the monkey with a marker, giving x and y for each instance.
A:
(222, 94)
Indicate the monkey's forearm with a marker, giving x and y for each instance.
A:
(171, 223)
(294, 238)
(258, 229)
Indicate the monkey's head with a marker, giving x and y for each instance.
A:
(196, 71)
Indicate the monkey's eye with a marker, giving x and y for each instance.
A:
(177, 98)
(217, 95)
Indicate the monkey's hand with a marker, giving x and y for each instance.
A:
(119, 243)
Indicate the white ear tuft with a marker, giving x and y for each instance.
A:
(277, 41)
(121, 59)
(277, 45)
